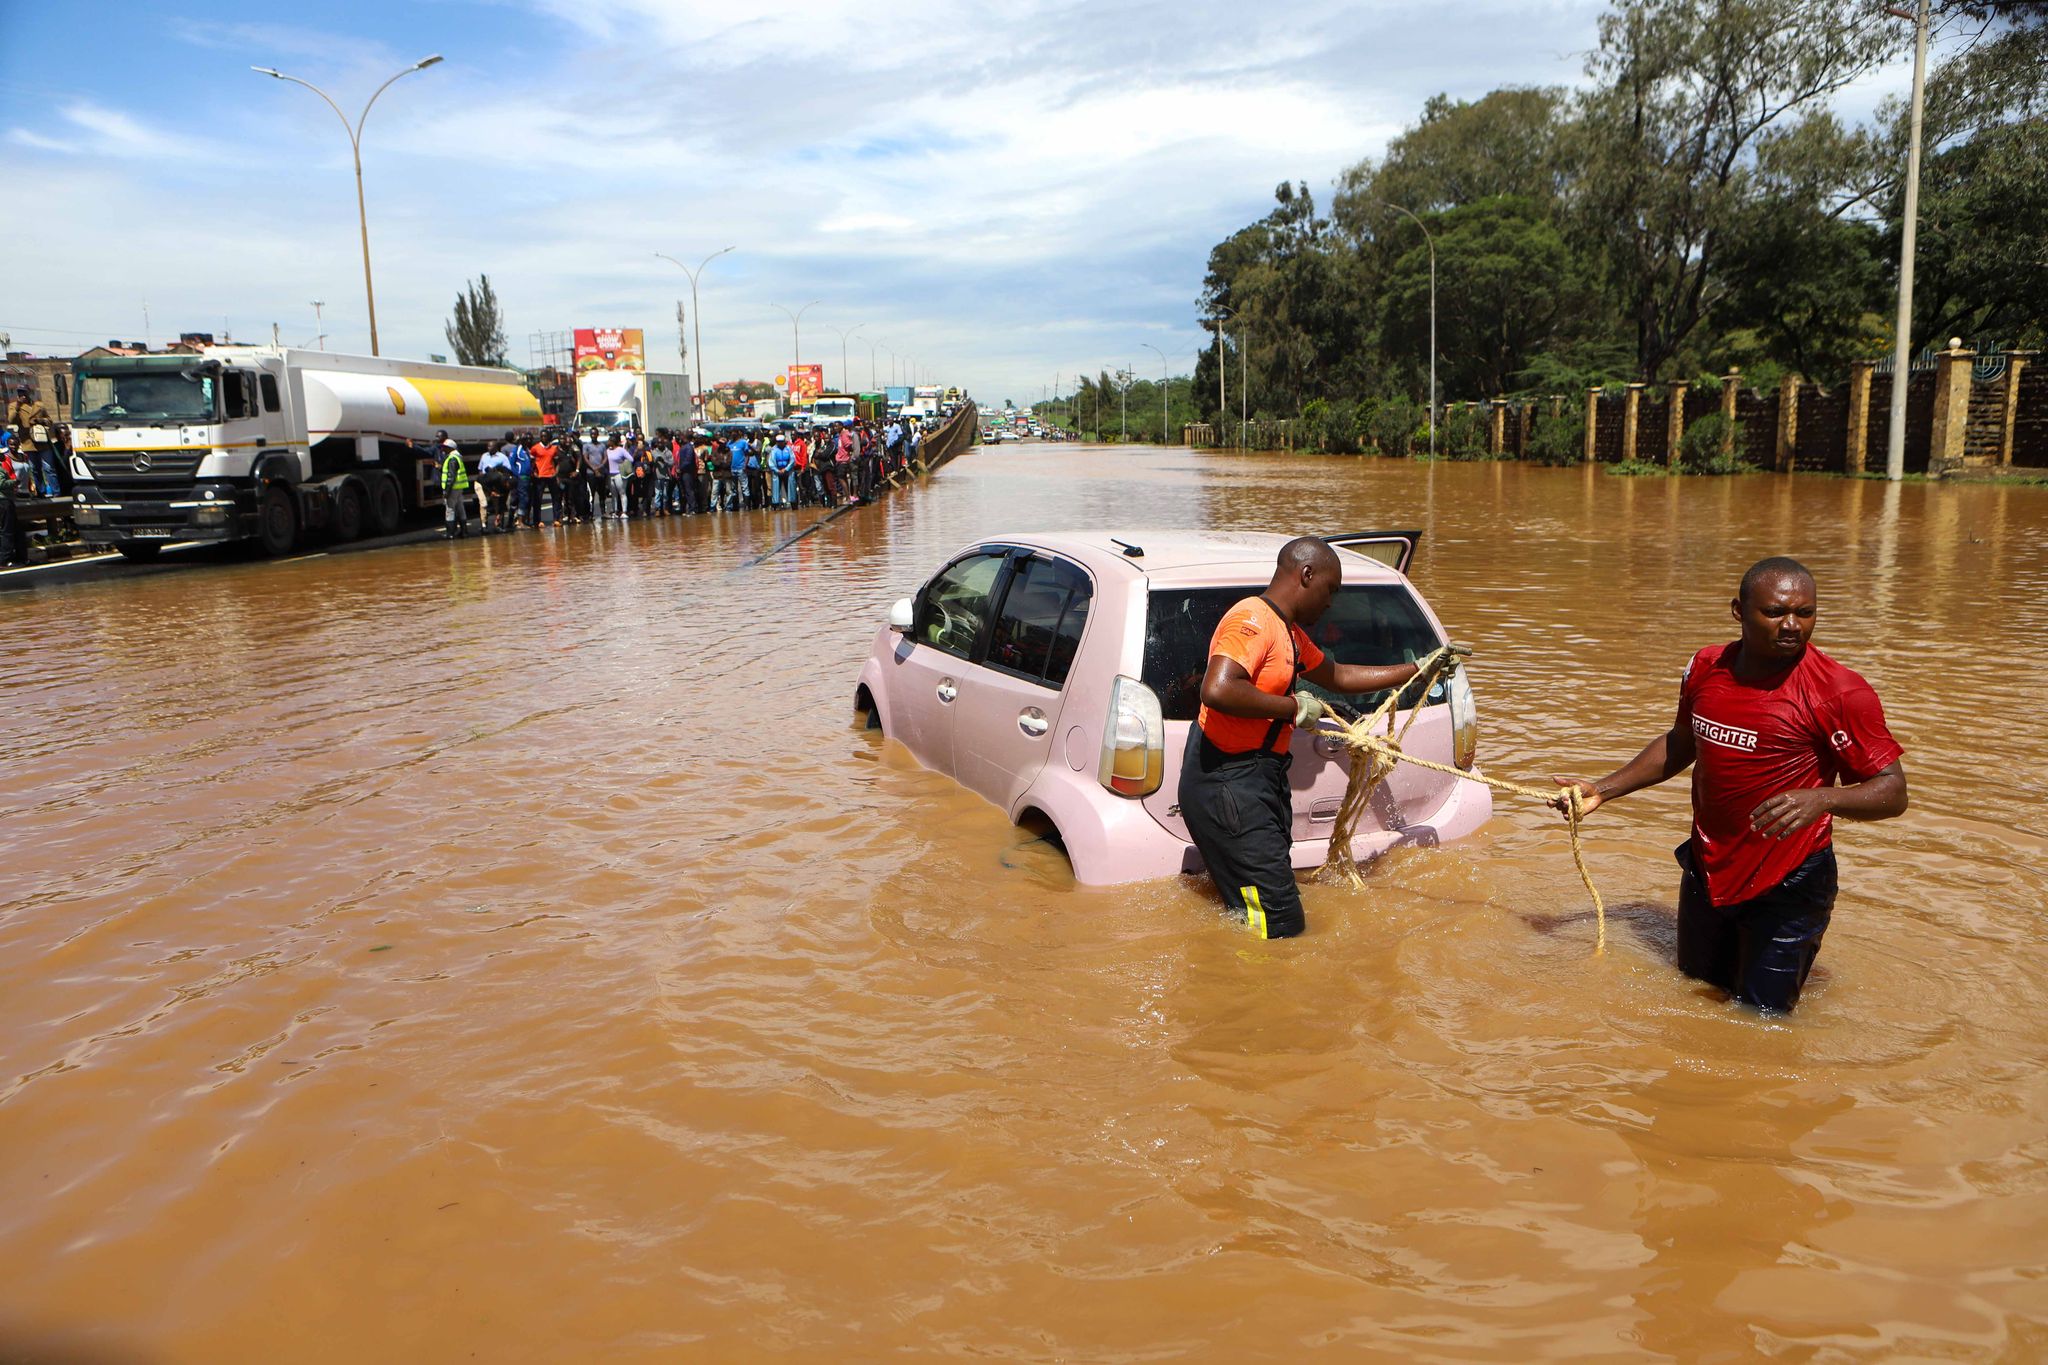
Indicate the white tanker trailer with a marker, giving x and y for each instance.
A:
(238, 442)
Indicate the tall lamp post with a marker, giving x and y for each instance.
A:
(355, 143)
(845, 377)
(1427, 237)
(1902, 361)
(701, 388)
(1222, 402)
(796, 336)
(1162, 390)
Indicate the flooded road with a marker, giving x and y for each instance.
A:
(513, 952)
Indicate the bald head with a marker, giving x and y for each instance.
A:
(1306, 552)
(1770, 570)
(1305, 578)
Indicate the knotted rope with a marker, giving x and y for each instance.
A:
(1375, 755)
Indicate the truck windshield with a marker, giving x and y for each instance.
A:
(1366, 624)
(829, 408)
(605, 417)
(143, 395)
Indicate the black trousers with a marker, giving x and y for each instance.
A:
(1241, 814)
(1759, 950)
(13, 544)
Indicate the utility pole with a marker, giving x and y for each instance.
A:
(319, 327)
(682, 344)
(1430, 238)
(355, 142)
(701, 385)
(1222, 401)
(1162, 390)
(1902, 354)
(1244, 407)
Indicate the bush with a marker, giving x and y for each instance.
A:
(1700, 450)
(1464, 436)
(1559, 440)
(1392, 426)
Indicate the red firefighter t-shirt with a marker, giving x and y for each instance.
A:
(1809, 726)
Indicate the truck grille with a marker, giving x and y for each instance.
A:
(144, 468)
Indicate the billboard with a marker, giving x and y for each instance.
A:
(610, 348)
(806, 382)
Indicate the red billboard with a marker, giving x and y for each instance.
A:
(610, 348)
(806, 382)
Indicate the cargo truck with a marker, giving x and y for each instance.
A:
(270, 443)
(627, 401)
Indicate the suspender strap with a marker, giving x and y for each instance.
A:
(1274, 728)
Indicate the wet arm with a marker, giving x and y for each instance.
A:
(1338, 677)
(1878, 797)
(1662, 759)
(1226, 687)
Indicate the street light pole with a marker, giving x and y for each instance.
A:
(355, 143)
(1162, 391)
(845, 377)
(701, 388)
(1222, 401)
(795, 334)
(1429, 238)
(1902, 355)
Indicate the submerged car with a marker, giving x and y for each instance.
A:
(1057, 675)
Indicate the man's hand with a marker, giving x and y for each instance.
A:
(1787, 813)
(1590, 798)
(1308, 709)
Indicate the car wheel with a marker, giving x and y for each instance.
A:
(349, 513)
(277, 520)
(386, 507)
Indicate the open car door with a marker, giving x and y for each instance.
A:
(1396, 549)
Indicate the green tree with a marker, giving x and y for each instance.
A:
(1507, 143)
(477, 331)
(1687, 95)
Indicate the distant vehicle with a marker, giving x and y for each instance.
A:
(1057, 675)
(898, 398)
(767, 409)
(627, 401)
(270, 443)
(833, 409)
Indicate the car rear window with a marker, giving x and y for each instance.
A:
(1366, 624)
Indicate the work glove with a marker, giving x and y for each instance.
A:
(1459, 652)
(1308, 709)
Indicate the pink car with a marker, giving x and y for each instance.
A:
(1057, 674)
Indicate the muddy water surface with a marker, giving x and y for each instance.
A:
(511, 952)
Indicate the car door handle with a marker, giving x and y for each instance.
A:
(1032, 722)
(947, 691)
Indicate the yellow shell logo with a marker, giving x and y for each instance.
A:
(397, 401)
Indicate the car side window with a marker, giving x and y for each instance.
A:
(1038, 629)
(955, 605)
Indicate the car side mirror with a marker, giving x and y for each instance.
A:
(902, 615)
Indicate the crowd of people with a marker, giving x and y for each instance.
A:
(563, 477)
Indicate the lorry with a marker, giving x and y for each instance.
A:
(629, 401)
(899, 399)
(767, 409)
(924, 402)
(833, 409)
(270, 443)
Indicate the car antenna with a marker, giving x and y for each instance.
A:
(1130, 551)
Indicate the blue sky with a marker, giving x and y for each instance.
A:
(1004, 192)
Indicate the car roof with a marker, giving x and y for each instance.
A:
(1168, 553)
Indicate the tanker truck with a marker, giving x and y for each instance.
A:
(270, 443)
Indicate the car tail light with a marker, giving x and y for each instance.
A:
(1464, 721)
(1134, 741)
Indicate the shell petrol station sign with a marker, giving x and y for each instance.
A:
(611, 348)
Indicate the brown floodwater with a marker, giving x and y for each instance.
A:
(513, 951)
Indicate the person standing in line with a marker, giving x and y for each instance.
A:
(842, 462)
(13, 544)
(739, 450)
(596, 473)
(800, 448)
(494, 474)
(913, 449)
(35, 438)
(454, 490)
(543, 453)
(1781, 739)
(663, 454)
(782, 463)
(521, 460)
(618, 460)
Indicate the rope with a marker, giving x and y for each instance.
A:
(1382, 754)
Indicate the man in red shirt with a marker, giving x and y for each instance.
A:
(1233, 776)
(1769, 725)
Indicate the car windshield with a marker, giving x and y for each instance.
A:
(1366, 624)
(153, 395)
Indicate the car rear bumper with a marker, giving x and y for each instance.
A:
(1112, 840)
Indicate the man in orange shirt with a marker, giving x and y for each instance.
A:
(1233, 778)
(543, 451)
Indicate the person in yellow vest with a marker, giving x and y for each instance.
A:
(454, 489)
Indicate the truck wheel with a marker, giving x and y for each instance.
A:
(277, 520)
(386, 508)
(141, 552)
(350, 512)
